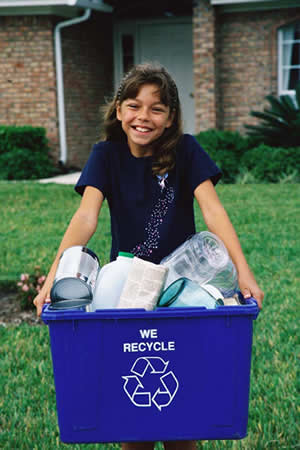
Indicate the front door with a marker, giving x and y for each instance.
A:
(168, 42)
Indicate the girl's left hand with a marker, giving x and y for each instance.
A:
(249, 288)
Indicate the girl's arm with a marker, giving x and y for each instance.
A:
(218, 222)
(81, 228)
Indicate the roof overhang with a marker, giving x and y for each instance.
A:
(253, 5)
(66, 8)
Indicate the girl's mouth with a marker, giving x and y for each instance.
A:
(142, 129)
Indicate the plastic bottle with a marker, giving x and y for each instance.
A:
(204, 259)
(110, 282)
(186, 293)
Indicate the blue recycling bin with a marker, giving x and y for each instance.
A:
(169, 374)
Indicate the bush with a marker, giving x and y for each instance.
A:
(226, 148)
(24, 153)
(279, 124)
(28, 137)
(22, 164)
(268, 164)
(28, 287)
(245, 176)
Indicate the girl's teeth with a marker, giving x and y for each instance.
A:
(143, 130)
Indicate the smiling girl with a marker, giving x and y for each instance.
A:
(144, 119)
(150, 173)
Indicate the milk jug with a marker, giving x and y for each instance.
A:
(110, 282)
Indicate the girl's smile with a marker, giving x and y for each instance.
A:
(144, 119)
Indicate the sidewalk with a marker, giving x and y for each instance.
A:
(70, 178)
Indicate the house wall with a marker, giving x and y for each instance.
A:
(247, 64)
(27, 80)
(204, 35)
(28, 93)
(244, 60)
(88, 80)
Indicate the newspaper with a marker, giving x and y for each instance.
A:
(143, 286)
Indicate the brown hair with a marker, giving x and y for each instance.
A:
(164, 148)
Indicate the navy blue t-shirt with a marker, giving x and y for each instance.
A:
(148, 218)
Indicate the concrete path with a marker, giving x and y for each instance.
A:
(70, 178)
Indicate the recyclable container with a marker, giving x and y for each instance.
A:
(167, 374)
(203, 258)
(75, 278)
(110, 282)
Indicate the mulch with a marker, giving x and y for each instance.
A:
(11, 313)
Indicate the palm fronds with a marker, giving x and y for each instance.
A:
(280, 123)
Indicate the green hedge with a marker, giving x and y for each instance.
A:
(24, 153)
(237, 156)
(226, 148)
(269, 164)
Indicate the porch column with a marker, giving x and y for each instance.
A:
(204, 36)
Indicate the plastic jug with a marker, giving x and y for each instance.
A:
(204, 259)
(75, 278)
(187, 293)
(110, 282)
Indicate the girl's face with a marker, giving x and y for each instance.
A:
(144, 119)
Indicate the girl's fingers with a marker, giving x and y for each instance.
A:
(39, 302)
(255, 293)
(259, 296)
(246, 293)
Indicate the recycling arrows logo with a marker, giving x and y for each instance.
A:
(146, 368)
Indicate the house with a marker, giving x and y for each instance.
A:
(60, 60)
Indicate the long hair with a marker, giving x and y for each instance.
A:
(164, 148)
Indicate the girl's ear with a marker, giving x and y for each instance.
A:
(170, 119)
(118, 111)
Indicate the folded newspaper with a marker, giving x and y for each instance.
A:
(143, 286)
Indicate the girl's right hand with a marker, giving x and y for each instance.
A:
(41, 299)
(80, 230)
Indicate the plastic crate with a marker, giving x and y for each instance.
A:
(169, 374)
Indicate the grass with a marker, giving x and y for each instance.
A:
(267, 220)
(34, 218)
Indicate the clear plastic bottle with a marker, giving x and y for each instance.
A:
(204, 259)
(110, 282)
(186, 293)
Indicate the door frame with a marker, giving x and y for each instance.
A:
(132, 27)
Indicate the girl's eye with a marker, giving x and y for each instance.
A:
(132, 105)
(160, 110)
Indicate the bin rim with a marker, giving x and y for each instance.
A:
(250, 308)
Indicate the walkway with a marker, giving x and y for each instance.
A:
(70, 178)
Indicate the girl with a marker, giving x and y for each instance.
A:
(150, 173)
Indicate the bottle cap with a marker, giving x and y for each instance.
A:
(127, 254)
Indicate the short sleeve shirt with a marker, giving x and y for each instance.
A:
(149, 218)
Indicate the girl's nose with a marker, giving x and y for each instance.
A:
(143, 114)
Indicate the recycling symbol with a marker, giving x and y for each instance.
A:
(150, 384)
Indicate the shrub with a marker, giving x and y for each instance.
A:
(29, 286)
(23, 137)
(24, 153)
(226, 148)
(245, 176)
(269, 164)
(21, 164)
(280, 123)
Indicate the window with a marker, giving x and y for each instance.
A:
(289, 58)
(128, 52)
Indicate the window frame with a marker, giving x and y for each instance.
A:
(281, 66)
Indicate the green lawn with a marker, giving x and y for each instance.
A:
(267, 220)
